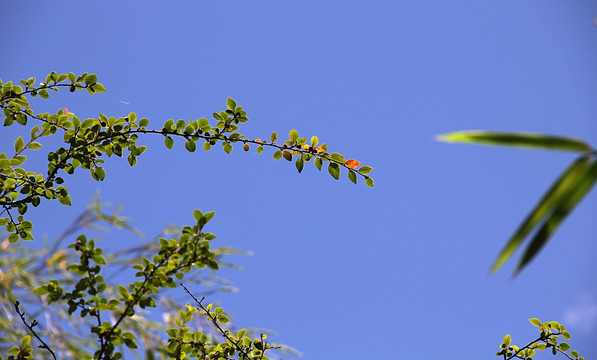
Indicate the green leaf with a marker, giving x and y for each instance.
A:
(190, 145)
(314, 141)
(524, 140)
(19, 144)
(579, 186)
(507, 340)
(564, 346)
(143, 122)
(98, 88)
(334, 170)
(337, 158)
(352, 176)
(293, 135)
(277, 155)
(206, 146)
(287, 155)
(535, 321)
(259, 149)
(369, 181)
(300, 163)
(364, 170)
(318, 163)
(227, 148)
(230, 104)
(65, 200)
(169, 142)
(34, 145)
(555, 195)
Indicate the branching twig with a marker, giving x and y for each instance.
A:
(214, 321)
(30, 327)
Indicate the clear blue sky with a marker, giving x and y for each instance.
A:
(342, 271)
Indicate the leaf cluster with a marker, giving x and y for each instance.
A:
(88, 142)
(550, 332)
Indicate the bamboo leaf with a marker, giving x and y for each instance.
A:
(524, 140)
(577, 190)
(551, 199)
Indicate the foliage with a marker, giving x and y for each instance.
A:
(73, 281)
(62, 283)
(548, 339)
(559, 200)
(87, 142)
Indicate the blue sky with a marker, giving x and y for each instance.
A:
(345, 271)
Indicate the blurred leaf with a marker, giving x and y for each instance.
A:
(525, 140)
(552, 198)
(579, 186)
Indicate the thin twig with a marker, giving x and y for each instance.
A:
(30, 327)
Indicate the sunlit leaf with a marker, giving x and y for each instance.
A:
(299, 164)
(351, 164)
(334, 170)
(525, 140)
(293, 135)
(580, 186)
(352, 176)
(552, 198)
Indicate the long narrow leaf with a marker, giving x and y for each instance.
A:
(580, 189)
(520, 139)
(556, 195)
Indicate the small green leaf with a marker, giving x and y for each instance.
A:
(293, 135)
(98, 88)
(524, 140)
(19, 144)
(564, 346)
(364, 170)
(507, 340)
(230, 104)
(369, 181)
(143, 122)
(318, 163)
(259, 149)
(274, 137)
(227, 148)
(352, 176)
(190, 145)
(535, 321)
(337, 158)
(314, 141)
(206, 146)
(334, 170)
(287, 155)
(299, 164)
(34, 145)
(277, 155)
(169, 142)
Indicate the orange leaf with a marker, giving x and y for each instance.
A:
(258, 140)
(320, 150)
(306, 147)
(65, 111)
(351, 164)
